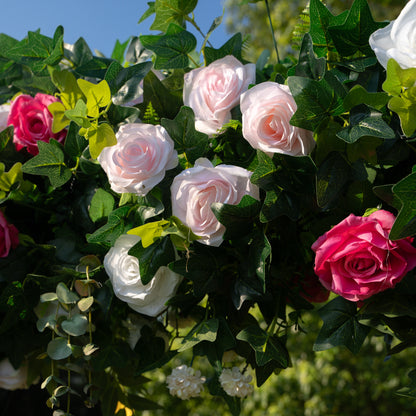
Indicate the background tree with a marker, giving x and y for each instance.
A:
(251, 20)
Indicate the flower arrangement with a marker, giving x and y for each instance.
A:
(167, 202)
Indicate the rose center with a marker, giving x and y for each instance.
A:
(36, 125)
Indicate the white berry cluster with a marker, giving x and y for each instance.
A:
(236, 384)
(184, 382)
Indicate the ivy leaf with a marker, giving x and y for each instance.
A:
(49, 162)
(172, 49)
(152, 257)
(405, 107)
(316, 100)
(148, 12)
(358, 95)
(341, 326)
(78, 114)
(238, 219)
(308, 65)
(182, 131)
(266, 347)
(59, 119)
(8, 179)
(66, 83)
(320, 20)
(405, 223)
(352, 35)
(150, 232)
(398, 78)
(117, 224)
(171, 11)
(204, 331)
(97, 95)
(232, 47)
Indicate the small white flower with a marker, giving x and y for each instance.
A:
(184, 382)
(236, 384)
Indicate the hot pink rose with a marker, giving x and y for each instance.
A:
(140, 158)
(213, 91)
(195, 189)
(9, 236)
(267, 109)
(32, 121)
(356, 259)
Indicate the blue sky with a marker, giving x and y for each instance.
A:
(100, 23)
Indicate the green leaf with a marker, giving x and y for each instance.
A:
(171, 11)
(148, 12)
(160, 253)
(125, 83)
(366, 124)
(66, 296)
(410, 390)
(163, 101)
(171, 50)
(100, 137)
(204, 331)
(59, 119)
(405, 223)
(118, 51)
(316, 100)
(266, 347)
(75, 144)
(49, 162)
(76, 325)
(58, 349)
(358, 95)
(340, 326)
(6, 136)
(232, 47)
(102, 204)
(117, 225)
(332, 175)
(182, 131)
(237, 219)
(308, 65)
(352, 35)
(320, 21)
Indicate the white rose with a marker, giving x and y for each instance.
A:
(214, 90)
(194, 191)
(10, 378)
(398, 39)
(235, 384)
(124, 273)
(4, 114)
(140, 158)
(267, 109)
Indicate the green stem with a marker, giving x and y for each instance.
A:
(271, 28)
(194, 24)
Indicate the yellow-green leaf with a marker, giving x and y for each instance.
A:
(79, 114)
(149, 232)
(60, 121)
(66, 82)
(99, 137)
(7, 179)
(98, 95)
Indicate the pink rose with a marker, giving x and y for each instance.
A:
(267, 109)
(356, 259)
(9, 236)
(140, 158)
(195, 189)
(213, 91)
(32, 121)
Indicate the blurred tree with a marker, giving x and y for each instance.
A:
(251, 20)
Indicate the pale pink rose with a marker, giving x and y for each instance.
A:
(196, 189)
(32, 121)
(267, 109)
(140, 158)
(214, 90)
(356, 259)
(9, 236)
